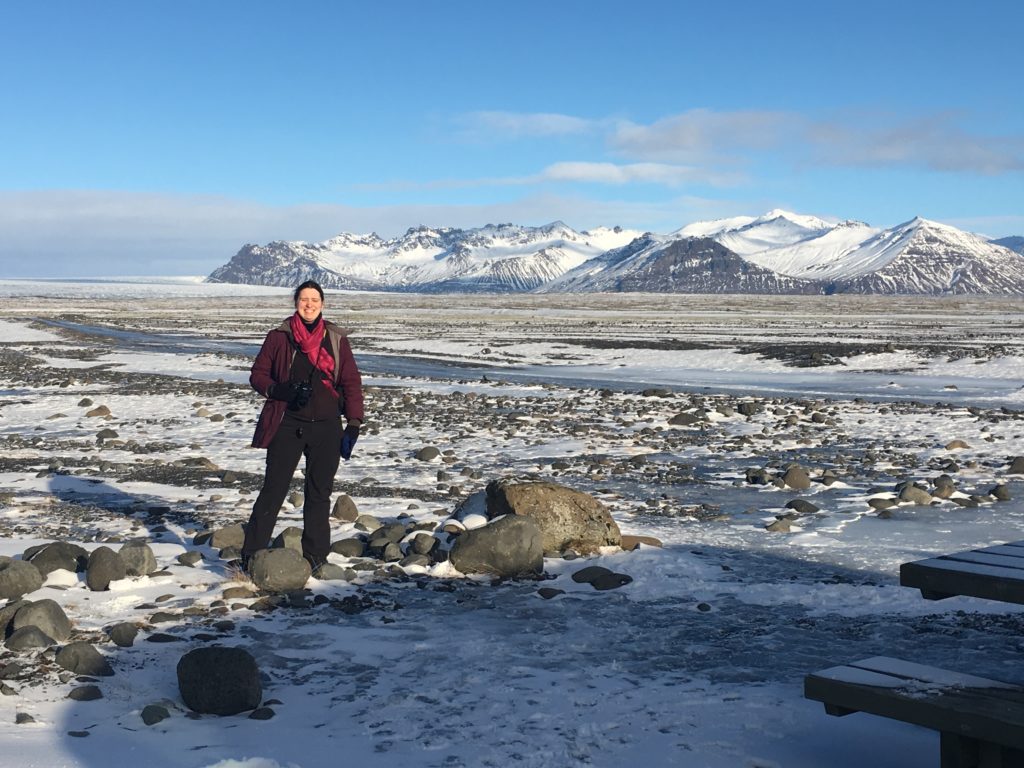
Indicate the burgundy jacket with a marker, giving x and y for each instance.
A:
(273, 365)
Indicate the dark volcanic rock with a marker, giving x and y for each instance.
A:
(59, 554)
(83, 659)
(104, 566)
(18, 578)
(510, 547)
(219, 680)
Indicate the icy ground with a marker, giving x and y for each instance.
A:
(698, 662)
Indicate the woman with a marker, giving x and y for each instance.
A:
(306, 371)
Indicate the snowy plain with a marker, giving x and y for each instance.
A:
(698, 662)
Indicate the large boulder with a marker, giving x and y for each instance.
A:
(510, 546)
(219, 680)
(567, 519)
(138, 558)
(47, 615)
(18, 578)
(229, 536)
(279, 570)
(58, 554)
(83, 659)
(104, 566)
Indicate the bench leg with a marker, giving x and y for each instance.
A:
(962, 752)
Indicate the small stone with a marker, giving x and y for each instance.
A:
(261, 713)
(549, 592)
(83, 659)
(154, 713)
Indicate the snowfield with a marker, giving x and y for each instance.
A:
(699, 661)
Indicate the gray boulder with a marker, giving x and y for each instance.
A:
(511, 546)
(47, 615)
(567, 519)
(219, 680)
(289, 538)
(796, 478)
(427, 453)
(58, 554)
(18, 578)
(279, 570)
(123, 634)
(83, 659)
(345, 509)
(104, 566)
(349, 547)
(229, 536)
(138, 558)
(1016, 466)
(27, 638)
(915, 495)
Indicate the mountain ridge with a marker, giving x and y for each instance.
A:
(777, 252)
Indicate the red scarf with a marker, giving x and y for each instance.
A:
(311, 344)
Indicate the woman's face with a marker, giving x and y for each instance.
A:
(309, 304)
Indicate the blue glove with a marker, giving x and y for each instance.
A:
(348, 440)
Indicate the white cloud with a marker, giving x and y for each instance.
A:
(516, 125)
(644, 173)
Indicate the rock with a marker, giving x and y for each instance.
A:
(685, 419)
(591, 572)
(332, 572)
(85, 402)
(1016, 466)
(567, 519)
(83, 659)
(138, 558)
(611, 581)
(107, 434)
(289, 538)
(1000, 493)
(549, 592)
(27, 638)
(47, 615)
(345, 509)
(367, 523)
(296, 499)
(154, 713)
(123, 634)
(85, 693)
(59, 554)
(956, 445)
(428, 453)
(511, 546)
(18, 578)
(279, 570)
(228, 536)
(350, 547)
(98, 411)
(104, 566)
(758, 476)
(630, 542)
(802, 506)
(796, 478)
(782, 525)
(423, 544)
(7, 614)
(882, 503)
(915, 495)
(262, 713)
(189, 559)
(220, 680)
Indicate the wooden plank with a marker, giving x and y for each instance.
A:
(1010, 550)
(909, 670)
(988, 714)
(943, 578)
(982, 557)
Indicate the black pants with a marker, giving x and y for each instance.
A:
(320, 442)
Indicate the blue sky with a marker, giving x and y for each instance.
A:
(157, 137)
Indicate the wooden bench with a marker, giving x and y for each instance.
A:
(980, 722)
(995, 573)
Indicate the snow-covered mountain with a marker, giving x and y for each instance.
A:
(779, 252)
(1014, 243)
(502, 257)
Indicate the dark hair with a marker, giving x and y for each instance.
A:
(304, 286)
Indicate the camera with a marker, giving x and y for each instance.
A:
(303, 392)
